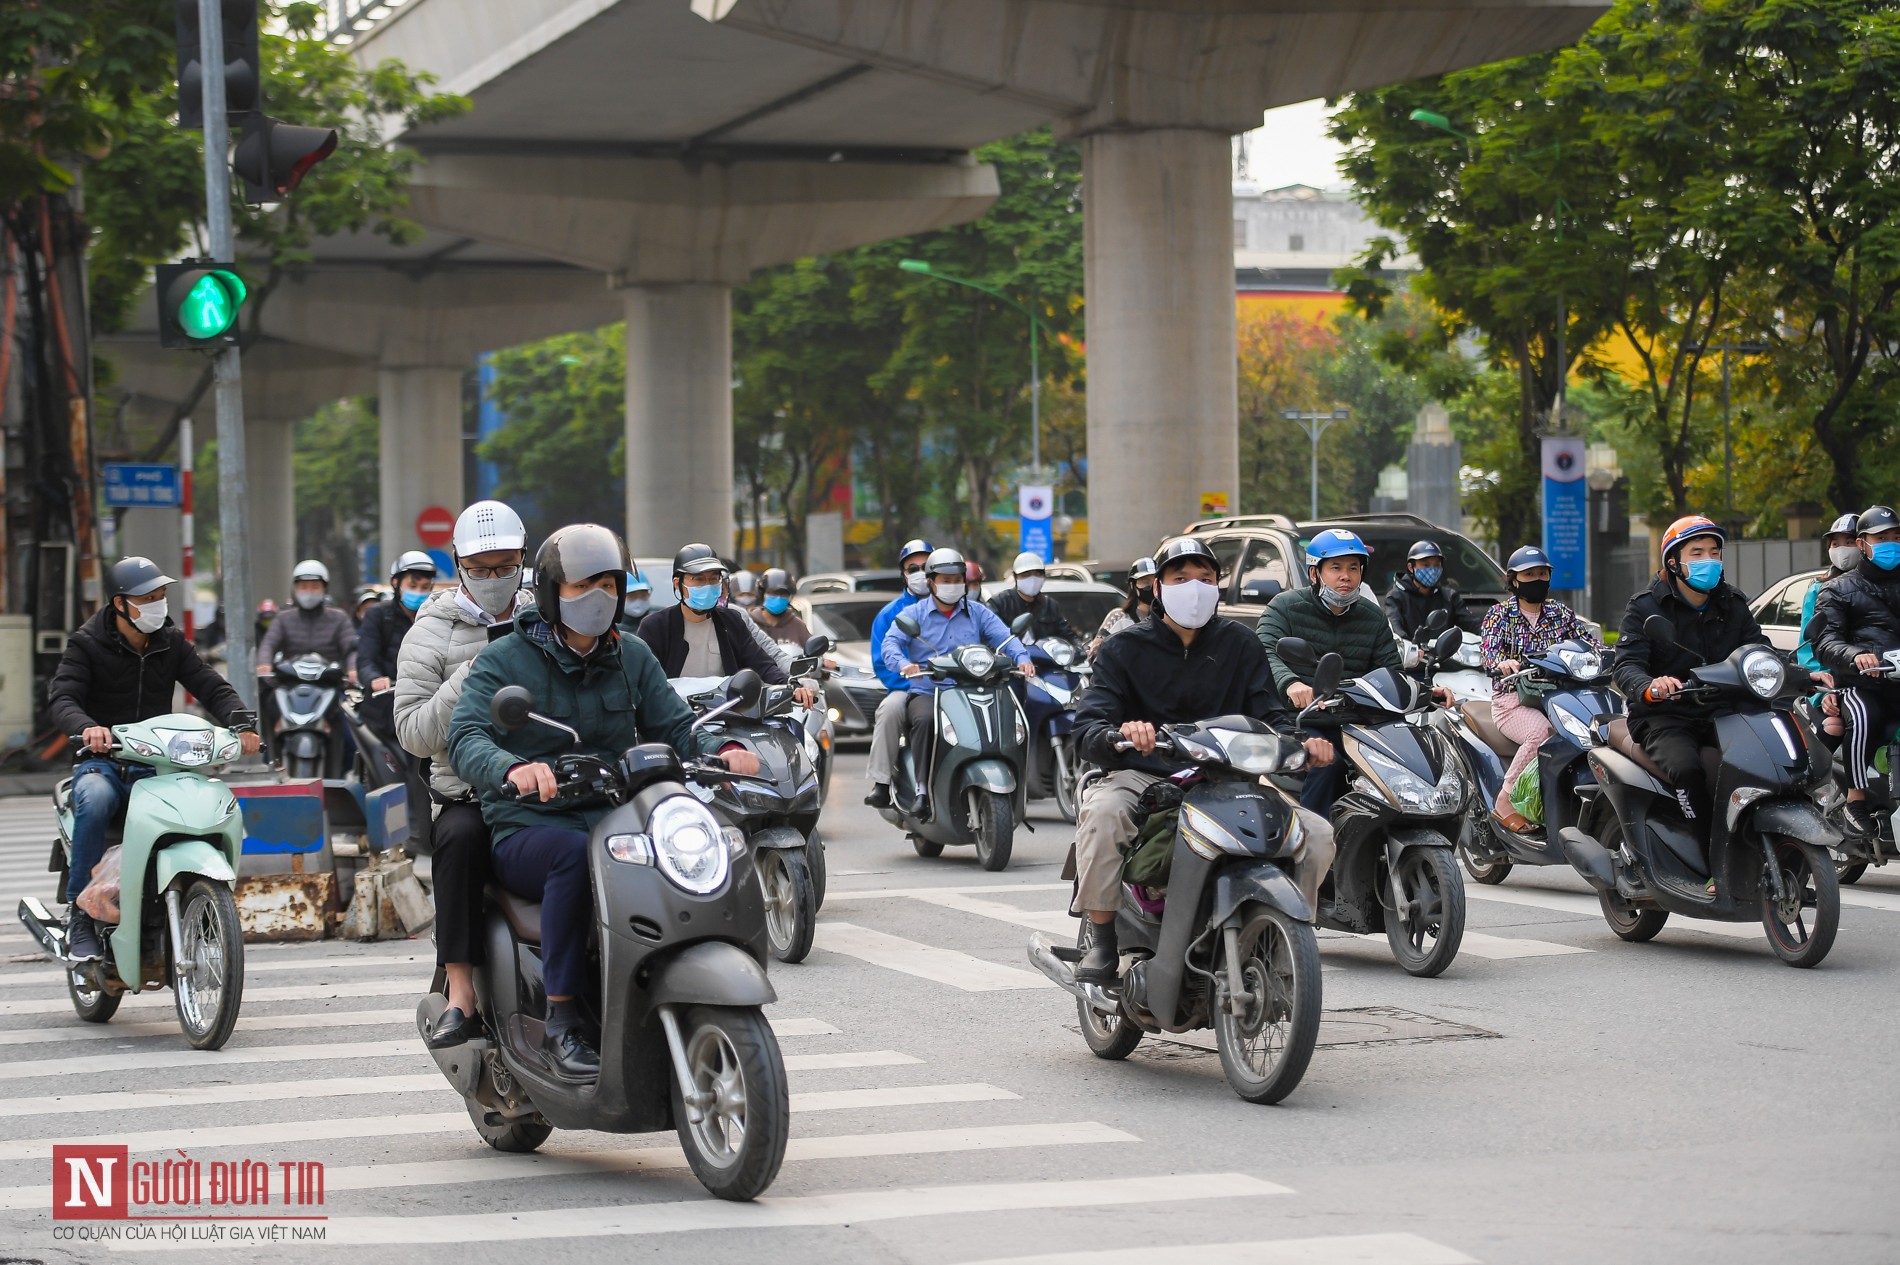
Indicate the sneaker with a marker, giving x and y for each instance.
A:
(880, 796)
(82, 937)
(1856, 820)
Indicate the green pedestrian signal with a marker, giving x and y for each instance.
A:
(199, 304)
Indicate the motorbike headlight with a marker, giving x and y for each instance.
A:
(1022, 724)
(1250, 752)
(1412, 792)
(1575, 726)
(689, 845)
(1469, 655)
(1207, 838)
(947, 728)
(978, 661)
(633, 849)
(1062, 652)
(187, 748)
(1764, 673)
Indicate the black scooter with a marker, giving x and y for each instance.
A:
(1231, 947)
(1766, 845)
(679, 952)
(1394, 828)
(1856, 851)
(307, 741)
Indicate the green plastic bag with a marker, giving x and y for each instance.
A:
(1527, 795)
(1148, 862)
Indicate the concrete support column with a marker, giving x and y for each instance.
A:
(269, 472)
(679, 417)
(1159, 274)
(421, 415)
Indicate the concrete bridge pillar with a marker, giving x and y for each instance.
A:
(272, 485)
(420, 411)
(679, 416)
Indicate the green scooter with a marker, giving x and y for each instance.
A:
(179, 846)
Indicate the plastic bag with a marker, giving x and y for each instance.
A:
(101, 897)
(1527, 795)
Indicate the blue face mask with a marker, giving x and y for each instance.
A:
(703, 598)
(638, 606)
(1704, 574)
(413, 599)
(1886, 555)
(778, 605)
(1429, 576)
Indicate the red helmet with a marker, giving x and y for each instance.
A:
(1688, 528)
(973, 573)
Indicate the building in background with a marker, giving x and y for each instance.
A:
(1288, 243)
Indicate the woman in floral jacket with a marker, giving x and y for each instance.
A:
(1522, 627)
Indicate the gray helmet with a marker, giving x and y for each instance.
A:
(135, 577)
(744, 583)
(1182, 548)
(944, 561)
(776, 580)
(1845, 525)
(413, 562)
(310, 569)
(696, 560)
(579, 552)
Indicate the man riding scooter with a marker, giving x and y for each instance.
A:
(888, 724)
(1841, 543)
(1859, 614)
(1182, 664)
(308, 627)
(1026, 597)
(379, 636)
(1421, 589)
(698, 636)
(775, 614)
(612, 693)
(121, 666)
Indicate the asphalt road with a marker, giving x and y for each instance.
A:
(1557, 1096)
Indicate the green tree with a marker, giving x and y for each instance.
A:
(561, 456)
(334, 463)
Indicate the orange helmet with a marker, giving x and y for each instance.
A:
(1687, 528)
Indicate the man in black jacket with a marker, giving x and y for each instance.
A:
(700, 637)
(1421, 589)
(1712, 621)
(1859, 618)
(379, 637)
(1183, 663)
(121, 666)
(1026, 595)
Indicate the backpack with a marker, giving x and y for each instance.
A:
(1152, 853)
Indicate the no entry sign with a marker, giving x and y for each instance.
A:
(435, 526)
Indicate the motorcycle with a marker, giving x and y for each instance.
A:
(1767, 846)
(974, 768)
(1394, 827)
(1062, 673)
(305, 741)
(179, 845)
(1569, 685)
(679, 956)
(1229, 943)
(1856, 852)
(778, 812)
(1462, 672)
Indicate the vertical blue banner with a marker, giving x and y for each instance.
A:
(1566, 511)
(1035, 507)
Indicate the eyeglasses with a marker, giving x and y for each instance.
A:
(914, 570)
(508, 572)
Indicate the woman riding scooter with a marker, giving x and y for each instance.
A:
(1141, 600)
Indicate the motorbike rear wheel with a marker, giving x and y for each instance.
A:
(736, 1146)
(992, 820)
(791, 902)
(1112, 1037)
(925, 847)
(1264, 1049)
(1847, 873)
(517, 1137)
(94, 1005)
(1435, 902)
(1807, 874)
(209, 989)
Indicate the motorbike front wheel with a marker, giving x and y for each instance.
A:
(1426, 941)
(992, 821)
(208, 984)
(303, 766)
(791, 902)
(1801, 925)
(1266, 1037)
(1067, 776)
(736, 1145)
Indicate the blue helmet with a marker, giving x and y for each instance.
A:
(1335, 542)
(912, 547)
(1525, 558)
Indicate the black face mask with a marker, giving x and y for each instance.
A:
(1533, 591)
(1145, 594)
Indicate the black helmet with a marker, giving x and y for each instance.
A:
(1424, 549)
(1524, 557)
(912, 548)
(1142, 569)
(776, 580)
(1845, 525)
(945, 561)
(135, 577)
(1874, 518)
(579, 552)
(1182, 548)
(697, 560)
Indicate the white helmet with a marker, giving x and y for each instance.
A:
(486, 526)
(310, 569)
(1028, 562)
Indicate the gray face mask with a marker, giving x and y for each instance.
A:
(1336, 601)
(309, 601)
(497, 597)
(591, 614)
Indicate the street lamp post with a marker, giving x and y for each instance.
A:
(924, 268)
(1727, 348)
(1314, 422)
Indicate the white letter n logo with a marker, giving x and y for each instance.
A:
(99, 1186)
(89, 1181)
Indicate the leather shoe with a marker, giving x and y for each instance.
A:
(880, 796)
(1101, 964)
(572, 1057)
(453, 1028)
(82, 937)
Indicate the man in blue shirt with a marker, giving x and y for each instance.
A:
(946, 619)
(889, 720)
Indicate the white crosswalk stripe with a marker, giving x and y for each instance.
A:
(1344, 1249)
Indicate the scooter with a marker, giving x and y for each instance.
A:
(1394, 827)
(1856, 852)
(305, 742)
(179, 845)
(679, 956)
(1062, 673)
(974, 770)
(778, 812)
(1228, 944)
(1568, 684)
(1767, 843)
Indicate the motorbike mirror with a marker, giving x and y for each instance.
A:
(907, 624)
(1659, 631)
(1326, 674)
(1297, 653)
(1437, 619)
(510, 706)
(1020, 625)
(746, 686)
(1448, 642)
(818, 645)
(1260, 592)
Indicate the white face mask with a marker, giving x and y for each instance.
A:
(310, 601)
(150, 617)
(917, 583)
(1844, 557)
(1190, 603)
(1029, 585)
(949, 592)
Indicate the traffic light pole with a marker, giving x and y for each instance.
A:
(227, 383)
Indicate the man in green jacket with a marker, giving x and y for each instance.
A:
(612, 692)
(1333, 615)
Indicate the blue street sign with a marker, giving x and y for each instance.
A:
(1035, 506)
(143, 485)
(444, 564)
(1566, 511)
(1037, 538)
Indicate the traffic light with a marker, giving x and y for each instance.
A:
(243, 77)
(199, 304)
(274, 155)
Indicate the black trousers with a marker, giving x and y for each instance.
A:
(1871, 712)
(1675, 743)
(920, 714)
(460, 865)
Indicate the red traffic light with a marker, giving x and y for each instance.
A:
(274, 156)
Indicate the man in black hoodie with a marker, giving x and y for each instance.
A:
(121, 666)
(1859, 618)
(1183, 663)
